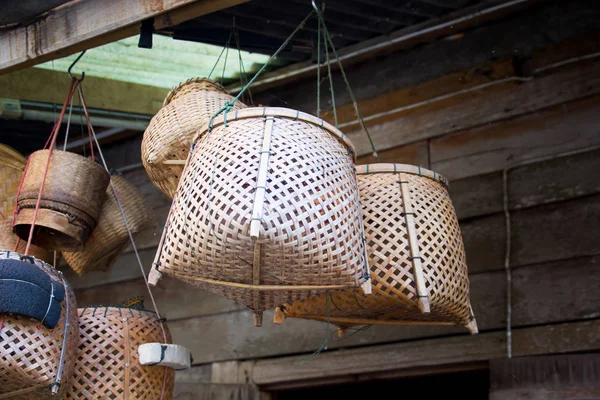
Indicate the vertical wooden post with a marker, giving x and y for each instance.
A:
(413, 240)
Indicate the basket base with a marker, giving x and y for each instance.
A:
(53, 230)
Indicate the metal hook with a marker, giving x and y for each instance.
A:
(73, 64)
(315, 6)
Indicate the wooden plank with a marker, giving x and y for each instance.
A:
(477, 195)
(214, 391)
(566, 127)
(414, 154)
(85, 24)
(561, 338)
(175, 298)
(564, 393)
(573, 376)
(483, 107)
(41, 85)
(539, 298)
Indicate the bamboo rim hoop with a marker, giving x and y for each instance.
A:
(169, 135)
(416, 255)
(107, 363)
(110, 236)
(37, 362)
(71, 201)
(267, 210)
(193, 85)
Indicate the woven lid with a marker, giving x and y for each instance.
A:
(9, 157)
(397, 168)
(281, 112)
(193, 85)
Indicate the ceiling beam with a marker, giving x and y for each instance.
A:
(410, 36)
(80, 25)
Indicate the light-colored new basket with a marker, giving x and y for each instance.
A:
(267, 210)
(71, 201)
(107, 365)
(416, 256)
(187, 108)
(110, 236)
(35, 360)
(12, 164)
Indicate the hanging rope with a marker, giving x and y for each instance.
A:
(319, 71)
(309, 358)
(243, 75)
(507, 264)
(350, 92)
(329, 75)
(220, 54)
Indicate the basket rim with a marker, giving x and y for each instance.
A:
(181, 84)
(394, 168)
(283, 112)
(82, 309)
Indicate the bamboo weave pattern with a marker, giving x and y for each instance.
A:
(187, 108)
(107, 365)
(30, 352)
(394, 292)
(311, 224)
(12, 164)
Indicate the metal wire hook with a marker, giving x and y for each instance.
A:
(73, 64)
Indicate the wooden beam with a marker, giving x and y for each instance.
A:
(561, 338)
(81, 25)
(42, 85)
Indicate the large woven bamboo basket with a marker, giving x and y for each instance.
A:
(107, 365)
(110, 236)
(416, 256)
(33, 358)
(73, 194)
(188, 108)
(11, 242)
(267, 210)
(12, 164)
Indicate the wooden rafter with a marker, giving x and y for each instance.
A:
(83, 24)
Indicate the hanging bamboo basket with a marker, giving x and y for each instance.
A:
(12, 164)
(108, 365)
(267, 210)
(110, 236)
(416, 255)
(71, 201)
(36, 361)
(187, 108)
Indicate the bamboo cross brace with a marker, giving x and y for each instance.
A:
(261, 181)
(413, 240)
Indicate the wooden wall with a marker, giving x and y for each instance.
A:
(542, 128)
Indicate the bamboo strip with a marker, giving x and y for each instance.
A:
(261, 181)
(413, 239)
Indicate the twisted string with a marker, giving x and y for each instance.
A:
(220, 54)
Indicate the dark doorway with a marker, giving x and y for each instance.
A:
(468, 385)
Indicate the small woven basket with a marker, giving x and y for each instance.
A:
(107, 365)
(416, 256)
(71, 201)
(34, 358)
(12, 164)
(187, 108)
(110, 236)
(267, 210)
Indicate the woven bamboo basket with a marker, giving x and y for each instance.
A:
(267, 210)
(416, 255)
(34, 358)
(107, 365)
(110, 236)
(167, 140)
(73, 194)
(12, 164)
(11, 242)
